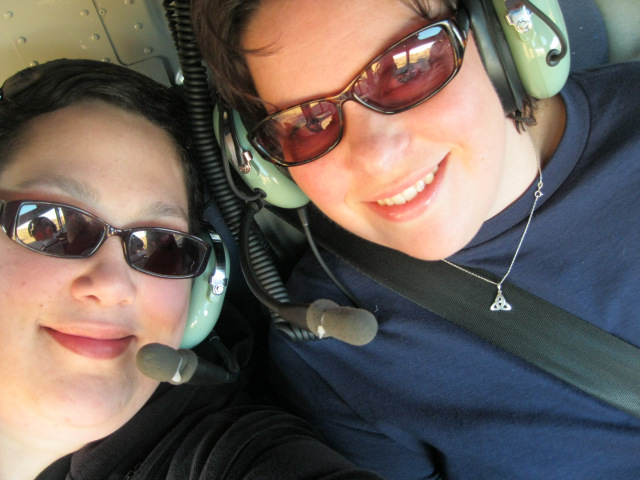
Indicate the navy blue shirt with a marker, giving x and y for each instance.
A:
(426, 399)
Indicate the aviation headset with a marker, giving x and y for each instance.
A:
(523, 47)
(207, 293)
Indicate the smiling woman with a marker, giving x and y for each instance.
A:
(484, 156)
(65, 319)
(97, 202)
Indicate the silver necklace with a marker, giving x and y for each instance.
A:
(500, 303)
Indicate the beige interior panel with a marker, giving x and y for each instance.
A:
(133, 33)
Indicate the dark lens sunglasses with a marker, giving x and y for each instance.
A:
(402, 77)
(64, 231)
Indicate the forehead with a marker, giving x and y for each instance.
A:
(105, 157)
(315, 48)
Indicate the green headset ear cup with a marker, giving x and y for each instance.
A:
(207, 294)
(505, 54)
(530, 49)
(281, 190)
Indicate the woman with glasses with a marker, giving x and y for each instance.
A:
(100, 152)
(383, 112)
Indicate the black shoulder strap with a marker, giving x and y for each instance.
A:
(535, 330)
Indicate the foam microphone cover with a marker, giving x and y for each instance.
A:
(351, 325)
(166, 364)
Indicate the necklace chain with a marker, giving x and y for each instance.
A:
(500, 303)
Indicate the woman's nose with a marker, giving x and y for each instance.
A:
(107, 279)
(376, 142)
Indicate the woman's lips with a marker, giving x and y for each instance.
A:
(99, 348)
(414, 207)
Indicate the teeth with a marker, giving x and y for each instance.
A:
(411, 192)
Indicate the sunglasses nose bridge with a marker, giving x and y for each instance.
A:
(111, 231)
(346, 95)
(124, 235)
(338, 100)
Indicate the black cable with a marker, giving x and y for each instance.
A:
(228, 358)
(209, 155)
(257, 282)
(304, 221)
(554, 56)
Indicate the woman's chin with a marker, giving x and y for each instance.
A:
(423, 246)
(100, 403)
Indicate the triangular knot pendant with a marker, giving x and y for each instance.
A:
(500, 303)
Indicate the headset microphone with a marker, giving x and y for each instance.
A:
(323, 318)
(167, 364)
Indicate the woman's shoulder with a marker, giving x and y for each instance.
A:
(611, 84)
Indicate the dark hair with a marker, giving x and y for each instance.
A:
(62, 83)
(219, 26)
(40, 224)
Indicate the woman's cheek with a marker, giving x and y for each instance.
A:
(165, 307)
(325, 181)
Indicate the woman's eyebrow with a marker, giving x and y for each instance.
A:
(161, 210)
(75, 188)
(87, 194)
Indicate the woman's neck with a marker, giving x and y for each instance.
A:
(551, 116)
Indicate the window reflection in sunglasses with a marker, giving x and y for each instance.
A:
(70, 232)
(41, 228)
(407, 74)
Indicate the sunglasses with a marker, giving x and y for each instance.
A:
(60, 230)
(402, 77)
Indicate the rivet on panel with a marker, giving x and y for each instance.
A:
(95, 37)
(84, 13)
(22, 40)
(138, 26)
(148, 50)
(8, 15)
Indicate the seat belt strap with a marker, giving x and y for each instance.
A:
(556, 341)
